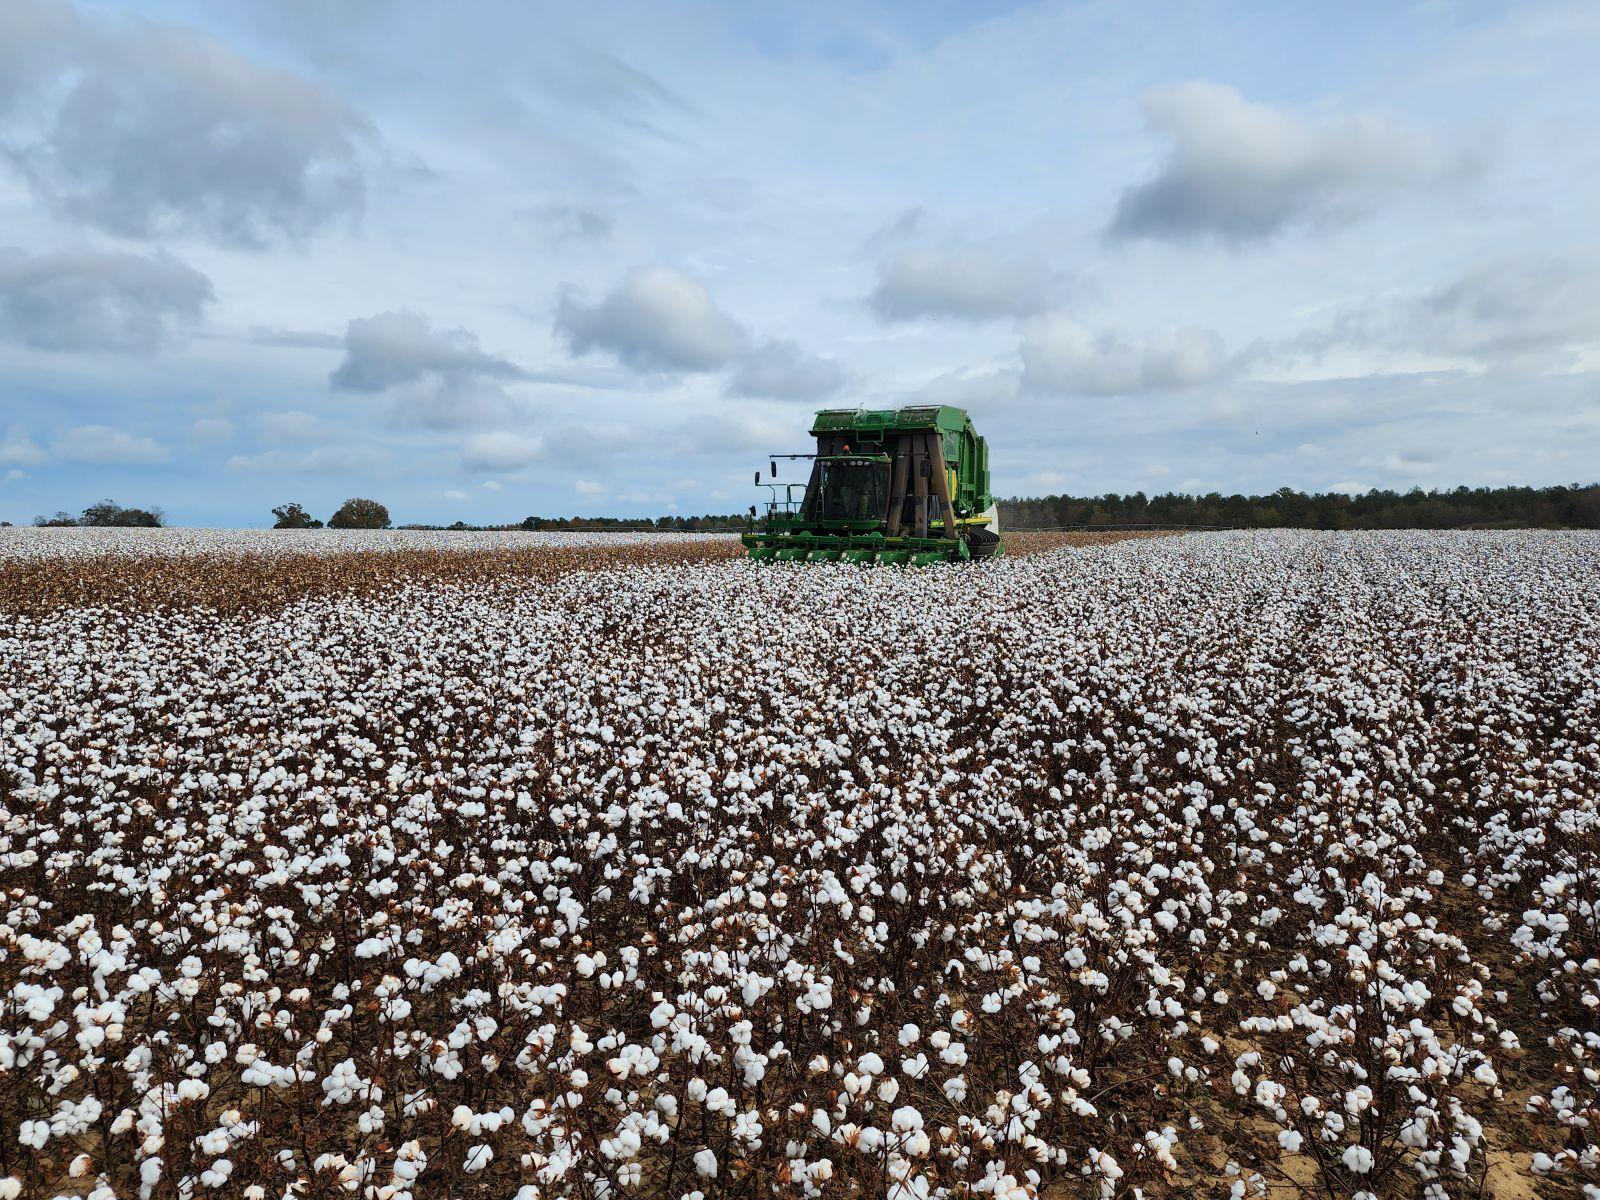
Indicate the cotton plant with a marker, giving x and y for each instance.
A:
(595, 869)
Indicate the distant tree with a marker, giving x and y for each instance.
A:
(60, 521)
(357, 513)
(108, 513)
(292, 516)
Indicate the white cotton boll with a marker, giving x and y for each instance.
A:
(1105, 1164)
(217, 1174)
(870, 1064)
(10, 1188)
(705, 1164)
(1269, 1093)
(479, 1157)
(1289, 1140)
(906, 1119)
(1357, 1159)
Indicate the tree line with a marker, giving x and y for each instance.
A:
(1571, 506)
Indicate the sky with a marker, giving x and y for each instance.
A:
(493, 259)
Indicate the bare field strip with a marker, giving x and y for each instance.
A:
(251, 581)
(1223, 864)
(255, 570)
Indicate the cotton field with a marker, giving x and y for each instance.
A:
(22, 542)
(1224, 865)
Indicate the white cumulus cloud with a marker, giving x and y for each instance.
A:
(501, 450)
(656, 319)
(1239, 170)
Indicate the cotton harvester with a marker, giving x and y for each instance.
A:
(906, 485)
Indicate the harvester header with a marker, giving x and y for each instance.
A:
(906, 485)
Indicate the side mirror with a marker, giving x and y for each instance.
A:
(774, 467)
(752, 512)
(758, 478)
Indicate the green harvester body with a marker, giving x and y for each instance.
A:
(888, 486)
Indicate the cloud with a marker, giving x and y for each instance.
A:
(501, 450)
(1061, 356)
(102, 444)
(586, 487)
(146, 130)
(457, 495)
(36, 37)
(781, 369)
(1513, 308)
(656, 319)
(966, 283)
(99, 300)
(1536, 311)
(1239, 171)
(439, 378)
(318, 460)
(18, 449)
(394, 348)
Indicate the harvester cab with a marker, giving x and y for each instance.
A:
(907, 485)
